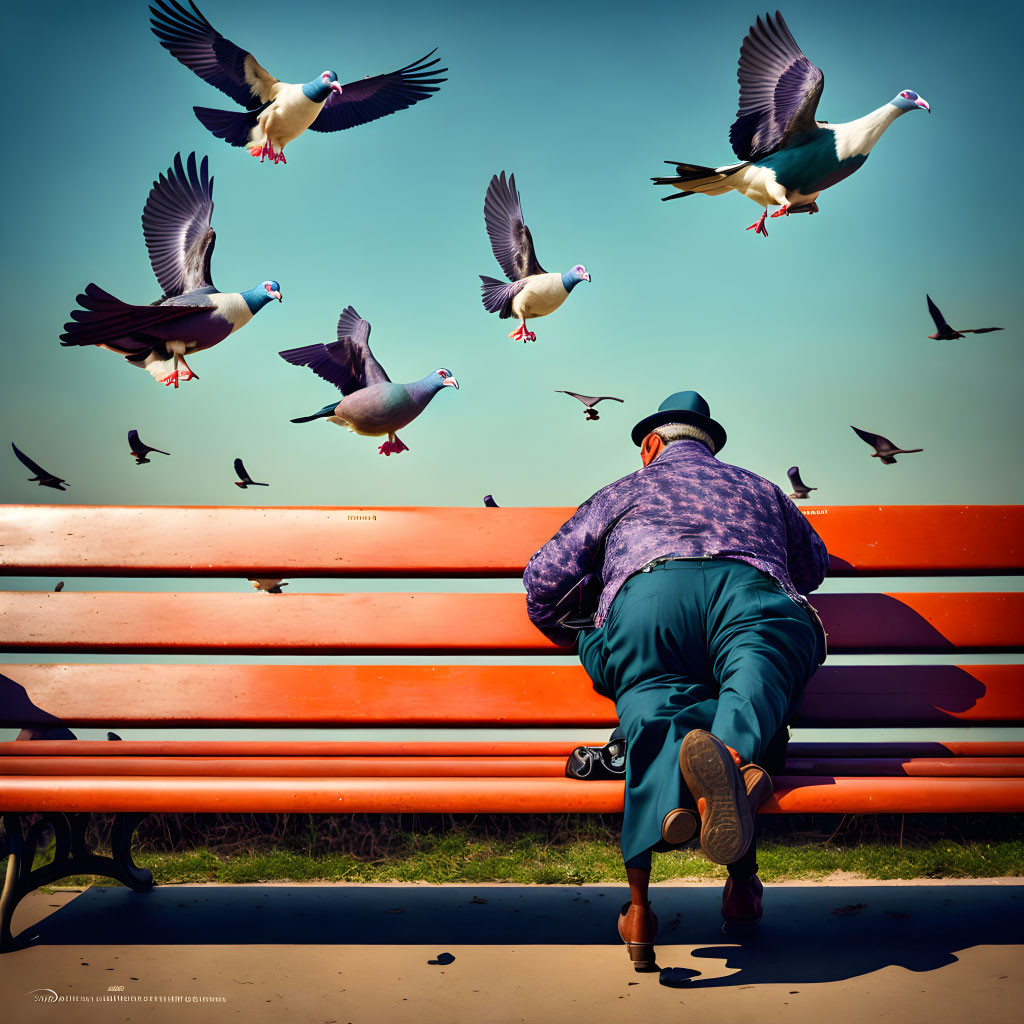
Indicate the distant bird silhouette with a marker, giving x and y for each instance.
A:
(60, 586)
(590, 412)
(140, 449)
(112, 736)
(884, 448)
(244, 480)
(41, 477)
(268, 586)
(800, 489)
(489, 502)
(943, 332)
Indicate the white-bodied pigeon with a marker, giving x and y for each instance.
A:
(884, 448)
(533, 291)
(787, 157)
(943, 332)
(140, 450)
(41, 477)
(800, 489)
(277, 112)
(191, 315)
(372, 405)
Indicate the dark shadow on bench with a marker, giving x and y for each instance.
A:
(920, 928)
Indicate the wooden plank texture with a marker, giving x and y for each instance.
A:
(428, 624)
(133, 695)
(794, 794)
(96, 540)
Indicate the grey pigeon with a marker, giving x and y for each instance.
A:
(489, 502)
(800, 489)
(884, 448)
(943, 332)
(277, 112)
(589, 401)
(244, 480)
(41, 477)
(140, 449)
(533, 291)
(191, 315)
(373, 405)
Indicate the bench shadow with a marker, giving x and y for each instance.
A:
(810, 934)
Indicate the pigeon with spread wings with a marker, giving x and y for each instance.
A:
(140, 450)
(589, 401)
(244, 480)
(884, 448)
(373, 404)
(530, 290)
(943, 332)
(277, 112)
(787, 157)
(41, 477)
(191, 315)
(800, 489)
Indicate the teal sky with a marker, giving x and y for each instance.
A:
(790, 338)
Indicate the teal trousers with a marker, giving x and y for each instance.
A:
(698, 644)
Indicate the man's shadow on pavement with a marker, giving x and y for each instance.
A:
(810, 933)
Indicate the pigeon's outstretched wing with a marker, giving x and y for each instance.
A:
(44, 478)
(936, 314)
(347, 363)
(366, 100)
(176, 224)
(879, 443)
(510, 238)
(980, 330)
(202, 49)
(794, 478)
(139, 447)
(244, 480)
(779, 90)
(589, 400)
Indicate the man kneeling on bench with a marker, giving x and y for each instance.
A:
(683, 583)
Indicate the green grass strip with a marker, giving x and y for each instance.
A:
(530, 859)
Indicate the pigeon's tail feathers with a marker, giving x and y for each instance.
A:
(103, 318)
(497, 295)
(691, 179)
(230, 125)
(327, 410)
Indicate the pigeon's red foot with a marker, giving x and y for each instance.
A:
(267, 150)
(783, 212)
(758, 226)
(393, 447)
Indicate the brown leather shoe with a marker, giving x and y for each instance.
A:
(741, 907)
(679, 826)
(637, 928)
(758, 784)
(713, 777)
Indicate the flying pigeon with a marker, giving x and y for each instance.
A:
(884, 448)
(269, 586)
(800, 489)
(533, 291)
(277, 112)
(787, 157)
(590, 412)
(140, 449)
(41, 477)
(244, 480)
(943, 332)
(191, 314)
(60, 586)
(489, 502)
(372, 405)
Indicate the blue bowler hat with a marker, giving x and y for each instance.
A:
(682, 407)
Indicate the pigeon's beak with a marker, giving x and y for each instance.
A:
(586, 276)
(451, 382)
(336, 87)
(923, 104)
(274, 295)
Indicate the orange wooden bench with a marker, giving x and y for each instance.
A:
(66, 780)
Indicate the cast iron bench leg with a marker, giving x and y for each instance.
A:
(71, 856)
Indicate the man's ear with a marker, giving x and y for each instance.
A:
(650, 448)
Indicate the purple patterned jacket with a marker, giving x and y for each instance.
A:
(685, 502)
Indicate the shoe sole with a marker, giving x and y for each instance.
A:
(727, 825)
(679, 826)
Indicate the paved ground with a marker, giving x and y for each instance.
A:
(850, 952)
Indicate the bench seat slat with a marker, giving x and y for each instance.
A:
(426, 695)
(464, 767)
(375, 623)
(86, 540)
(794, 794)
